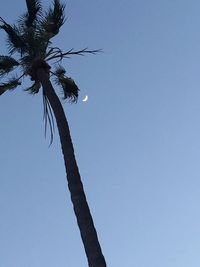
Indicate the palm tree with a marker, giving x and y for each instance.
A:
(30, 42)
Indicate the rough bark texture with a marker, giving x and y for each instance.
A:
(81, 208)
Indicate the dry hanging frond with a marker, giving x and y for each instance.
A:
(48, 117)
(33, 7)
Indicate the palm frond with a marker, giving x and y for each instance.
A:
(15, 41)
(35, 43)
(7, 64)
(34, 88)
(26, 62)
(60, 71)
(10, 85)
(69, 88)
(33, 7)
(54, 19)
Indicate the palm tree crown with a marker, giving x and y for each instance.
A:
(30, 42)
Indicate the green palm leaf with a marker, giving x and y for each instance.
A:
(33, 7)
(54, 19)
(15, 41)
(36, 44)
(69, 88)
(10, 85)
(34, 88)
(7, 64)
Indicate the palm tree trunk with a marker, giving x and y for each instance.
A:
(81, 208)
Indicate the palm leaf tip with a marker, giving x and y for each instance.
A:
(54, 19)
(33, 7)
(10, 85)
(7, 64)
(15, 41)
(34, 88)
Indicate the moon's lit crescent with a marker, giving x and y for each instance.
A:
(85, 99)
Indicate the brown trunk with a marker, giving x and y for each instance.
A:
(81, 208)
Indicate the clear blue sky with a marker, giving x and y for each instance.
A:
(137, 141)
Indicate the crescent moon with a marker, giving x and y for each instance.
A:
(85, 99)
